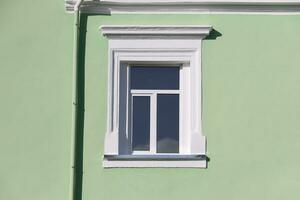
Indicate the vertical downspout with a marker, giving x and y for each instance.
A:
(76, 171)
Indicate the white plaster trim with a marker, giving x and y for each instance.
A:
(201, 1)
(153, 47)
(188, 6)
(155, 164)
(155, 31)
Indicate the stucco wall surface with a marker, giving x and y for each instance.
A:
(251, 107)
(36, 41)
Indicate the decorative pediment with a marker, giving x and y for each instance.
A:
(154, 31)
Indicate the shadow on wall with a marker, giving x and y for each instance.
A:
(79, 113)
(214, 34)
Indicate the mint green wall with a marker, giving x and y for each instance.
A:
(36, 41)
(251, 109)
(251, 114)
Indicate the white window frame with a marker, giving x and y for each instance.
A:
(171, 45)
(152, 93)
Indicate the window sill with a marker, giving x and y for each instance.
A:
(155, 161)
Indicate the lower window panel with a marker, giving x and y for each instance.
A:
(141, 123)
(167, 123)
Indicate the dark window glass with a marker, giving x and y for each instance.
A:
(141, 123)
(163, 78)
(167, 123)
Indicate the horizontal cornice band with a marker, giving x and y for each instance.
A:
(154, 31)
(186, 6)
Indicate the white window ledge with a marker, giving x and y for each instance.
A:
(161, 161)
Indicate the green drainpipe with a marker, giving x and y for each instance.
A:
(76, 170)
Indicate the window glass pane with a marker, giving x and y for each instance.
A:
(167, 123)
(141, 123)
(163, 78)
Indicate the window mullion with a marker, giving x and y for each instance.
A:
(153, 111)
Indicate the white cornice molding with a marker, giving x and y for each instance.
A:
(153, 31)
(255, 2)
(186, 6)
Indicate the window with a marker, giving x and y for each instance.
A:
(155, 96)
(154, 112)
